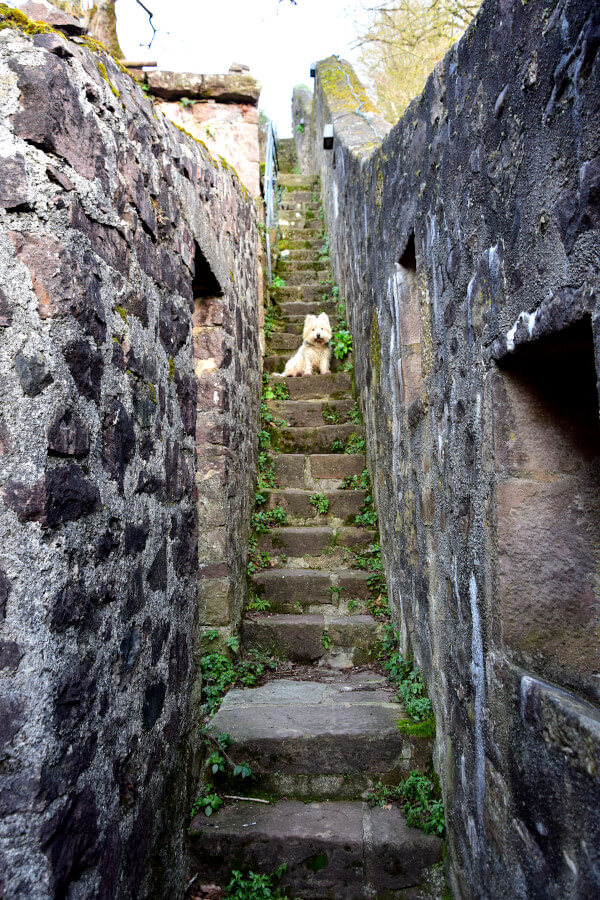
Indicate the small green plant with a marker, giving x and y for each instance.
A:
(216, 762)
(355, 444)
(233, 642)
(266, 471)
(406, 677)
(297, 607)
(263, 520)
(300, 128)
(360, 482)
(278, 282)
(352, 605)
(320, 503)
(258, 559)
(281, 391)
(326, 640)
(253, 886)
(337, 446)
(259, 604)
(354, 415)
(367, 517)
(335, 591)
(270, 321)
(422, 808)
(206, 801)
(185, 101)
(242, 770)
(331, 416)
(341, 343)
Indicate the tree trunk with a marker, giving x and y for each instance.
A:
(102, 25)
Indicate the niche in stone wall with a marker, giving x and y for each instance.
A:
(209, 316)
(547, 454)
(408, 314)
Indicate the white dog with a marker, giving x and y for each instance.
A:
(315, 350)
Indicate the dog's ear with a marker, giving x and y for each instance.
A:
(308, 324)
(325, 319)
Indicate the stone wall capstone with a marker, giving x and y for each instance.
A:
(466, 242)
(129, 392)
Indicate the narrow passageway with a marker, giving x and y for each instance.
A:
(321, 735)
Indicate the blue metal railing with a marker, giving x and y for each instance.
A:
(270, 189)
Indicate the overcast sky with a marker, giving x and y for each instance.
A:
(277, 41)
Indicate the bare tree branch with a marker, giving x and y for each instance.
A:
(150, 22)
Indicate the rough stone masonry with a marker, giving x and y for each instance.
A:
(129, 385)
(466, 240)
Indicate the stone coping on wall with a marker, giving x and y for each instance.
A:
(356, 121)
(234, 87)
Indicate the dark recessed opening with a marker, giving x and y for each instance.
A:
(409, 257)
(547, 448)
(559, 373)
(205, 282)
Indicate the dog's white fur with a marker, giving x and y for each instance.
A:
(315, 351)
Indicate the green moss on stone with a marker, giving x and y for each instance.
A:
(102, 69)
(375, 346)
(18, 21)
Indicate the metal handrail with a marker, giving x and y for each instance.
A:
(271, 170)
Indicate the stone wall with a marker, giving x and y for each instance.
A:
(129, 385)
(221, 111)
(466, 240)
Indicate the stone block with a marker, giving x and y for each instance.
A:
(215, 600)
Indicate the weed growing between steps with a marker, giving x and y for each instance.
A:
(410, 689)
(320, 503)
(220, 672)
(420, 796)
(254, 886)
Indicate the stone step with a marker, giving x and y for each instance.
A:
(318, 439)
(288, 589)
(343, 508)
(302, 194)
(336, 385)
(341, 850)
(346, 723)
(308, 276)
(316, 471)
(292, 264)
(297, 182)
(299, 201)
(305, 293)
(301, 231)
(275, 362)
(283, 340)
(302, 243)
(302, 308)
(311, 412)
(301, 255)
(314, 541)
(337, 641)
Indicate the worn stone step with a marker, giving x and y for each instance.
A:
(318, 439)
(276, 360)
(345, 724)
(302, 308)
(299, 195)
(316, 387)
(317, 471)
(304, 293)
(300, 255)
(338, 641)
(303, 413)
(344, 506)
(296, 182)
(283, 340)
(314, 540)
(299, 200)
(288, 589)
(308, 276)
(291, 227)
(301, 243)
(295, 325)
(342, 850)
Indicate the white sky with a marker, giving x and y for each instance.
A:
(278, 42)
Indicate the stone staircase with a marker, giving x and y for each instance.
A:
(321, 737)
